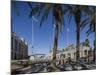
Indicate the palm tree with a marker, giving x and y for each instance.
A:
(76, 11)
(90, 21)
(94, 55)
(57, 15)
(15, 6)
(86, 43)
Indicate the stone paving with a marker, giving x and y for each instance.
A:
(45, 67)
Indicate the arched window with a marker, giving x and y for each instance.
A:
(15, 56)
(74, 55)
(89, 52)
(85, 52)
(11, 55)
(69, 55)
(62, 56)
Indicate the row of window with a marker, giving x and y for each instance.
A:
(69, 54)
(18, 49)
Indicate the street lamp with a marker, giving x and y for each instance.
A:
(67, 36)
(33, 19)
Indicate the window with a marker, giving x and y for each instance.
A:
(89, 53)
(74, 55)
(15, 44)
(11, 42)
(69, 55)
(11, 55)
(15, 56)
(62, 56)
(85, 52)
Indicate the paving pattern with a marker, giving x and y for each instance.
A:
(46, 67)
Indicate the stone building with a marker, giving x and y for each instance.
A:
(37, 57)
(70, 52)
(19, 47)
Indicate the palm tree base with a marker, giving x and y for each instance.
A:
(54, 67)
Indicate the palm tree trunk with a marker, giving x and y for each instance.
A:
(94, 55)
(78, 20)
(78, 42)
(55, 44)
(94, 51)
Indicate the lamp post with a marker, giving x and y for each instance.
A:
(68, 36)
(33, 19)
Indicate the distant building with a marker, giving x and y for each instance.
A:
(70, 52)
(37, 57)
(19, 47)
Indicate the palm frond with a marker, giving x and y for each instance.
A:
(41, 8)
(29, 4)
(14, 4)
(45, 15)
(34, 11)
(92, 24)
(89, 31)
(84, 23)
(70, 11)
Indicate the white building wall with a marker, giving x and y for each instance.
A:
(72, 52)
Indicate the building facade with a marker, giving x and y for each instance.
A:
(37, 57)
(70, 52)
(19, 47)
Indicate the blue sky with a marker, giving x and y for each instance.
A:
(43, 36)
